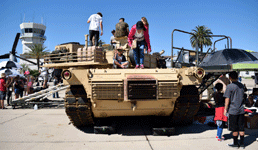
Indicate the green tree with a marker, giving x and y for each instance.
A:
(34, 73)
(203, 35)
(25, 67)
(37, 51)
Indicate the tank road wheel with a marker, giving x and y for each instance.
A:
(186, 106)
(78, 106)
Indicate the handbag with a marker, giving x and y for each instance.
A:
(134, 44)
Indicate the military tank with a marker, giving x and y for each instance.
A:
(97, 90)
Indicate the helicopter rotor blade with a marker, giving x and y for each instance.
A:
(5, 56)
(15, 43)
(26, 60)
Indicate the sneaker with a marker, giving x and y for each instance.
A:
(220, 140)
(233, 146)
(242, 146)
(223, 138)
(142, 66)
(137, 66)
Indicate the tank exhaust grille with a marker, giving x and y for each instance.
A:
(107, 91)
(146, 89)
(168, 90)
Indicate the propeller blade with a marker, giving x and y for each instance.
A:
(5, 56)
(15, 43)
(26, 60)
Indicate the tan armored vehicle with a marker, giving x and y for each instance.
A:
(97, 90)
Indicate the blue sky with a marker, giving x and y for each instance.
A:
(66, 20)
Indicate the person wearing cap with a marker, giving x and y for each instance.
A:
(120, 60)
(95, 21)
(140, 34)
(112, 39)
(2, 90)
(122, 28)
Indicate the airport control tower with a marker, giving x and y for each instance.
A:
(32, 33)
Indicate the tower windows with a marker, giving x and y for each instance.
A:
(33, 30)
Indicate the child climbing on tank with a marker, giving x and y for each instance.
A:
(219, 118)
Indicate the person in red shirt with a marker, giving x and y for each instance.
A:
(220, 118)
(2, 90)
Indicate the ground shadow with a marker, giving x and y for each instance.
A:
(131, 126)
(251, 135)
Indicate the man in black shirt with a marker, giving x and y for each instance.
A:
(56, 74)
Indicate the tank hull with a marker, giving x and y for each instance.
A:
(103, 93)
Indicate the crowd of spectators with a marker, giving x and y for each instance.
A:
(23, 86)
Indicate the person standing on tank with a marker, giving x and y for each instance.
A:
(234, 106)
(146, 25)
(95, 21)
(140, 34)
(122, 28)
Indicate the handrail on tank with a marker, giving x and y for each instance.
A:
(227, 37)
(179, 54)
(173, 45)
(222, 39)
(218, 41)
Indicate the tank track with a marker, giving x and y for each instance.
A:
(78, 106)
(186, 106)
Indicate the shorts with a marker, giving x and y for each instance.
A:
(45, 78)
(2, 95)
(236, 123)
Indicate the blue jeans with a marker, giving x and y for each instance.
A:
(139, 53)
(55, 94)
(220, 128)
